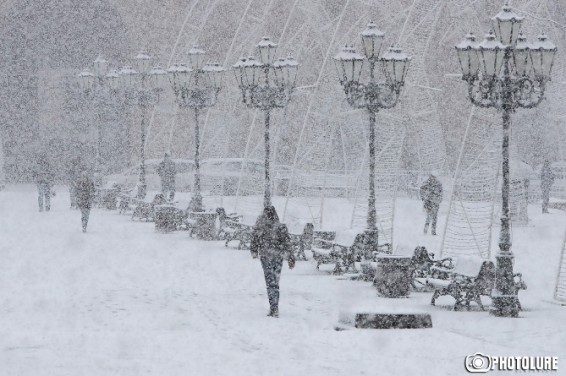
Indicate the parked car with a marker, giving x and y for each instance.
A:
(221, 176)
(129, 178)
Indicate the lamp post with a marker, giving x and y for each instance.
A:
(505, 72)
(266, 84)
(372, 96)
(196, 86)
(93, 85)
(145, 84)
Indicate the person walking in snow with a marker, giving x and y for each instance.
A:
(74, 174)
(85, 197)
(166, 171)
(546, 180)
(272, 244)
(431, 195)
(44, 177)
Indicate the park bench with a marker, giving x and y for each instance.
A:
(341, 250)
(142, 210)
(468, 281)
(107, 196)
(302, 242)
(471, 278)
(234, 230)
(424, 266)
(125, 202)
(225, 221)
(202, 224)
(146, 210)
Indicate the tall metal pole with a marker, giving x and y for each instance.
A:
(371, 219)
(98, 95)
(370, 239)
(142, 189)
(505, 299)
(196, 201)
(98, 162)
(267, 195)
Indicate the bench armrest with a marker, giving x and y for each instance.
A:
(519, 283)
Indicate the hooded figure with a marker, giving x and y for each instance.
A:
(431, 195)
(166, 171)
(85, 197)
(272, 243)
(546, 180)
(44, 177)
(74, 174)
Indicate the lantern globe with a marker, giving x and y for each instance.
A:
(214, 73)
(113, 79)
(128, 77)
(196, 58)
(543, 52)
(522, 56)
(100, 66)
(468, 56)
(507, 25)
(266, 49)
(372, 41)
(395, 65)
(143, 62)
(86, 80)
(349, 64)
(157, 77)
(238, 69)
(490, 53)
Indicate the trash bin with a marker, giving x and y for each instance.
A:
(166, 218)
(393, 275)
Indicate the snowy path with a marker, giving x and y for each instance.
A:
(125, 300)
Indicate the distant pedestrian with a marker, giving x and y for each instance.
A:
(431, 195)
(44, 178)
(74, 173)
(166, 171)
(546, 180)
(272, 243)
(85, 197)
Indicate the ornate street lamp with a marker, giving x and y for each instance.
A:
(196, 86)
(372, 96)
(505, 72)
(93, 85)
(266, 84)
(144, 83)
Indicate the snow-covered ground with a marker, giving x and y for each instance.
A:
(125, 300)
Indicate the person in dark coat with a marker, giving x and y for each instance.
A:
(546, 180)
(74, 174)
(166, 171)
(431, 195)
(85, 197)
(271, 243)
(44, 178)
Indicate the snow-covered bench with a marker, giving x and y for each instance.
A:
(341, 251)
(226, 229)
(146, 210)
(424, 266)
(302, 241)
(471, 278)
(231, 229)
